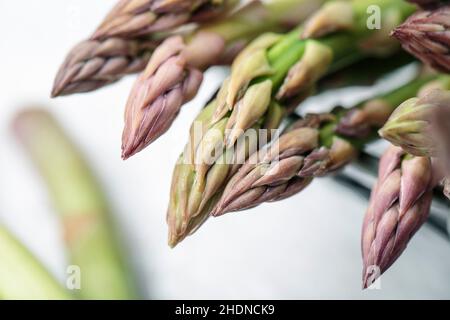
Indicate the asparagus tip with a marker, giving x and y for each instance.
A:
(54, 94)
(57, 90)
(368, 278)
(383, 132)
(218, 210)
(173, 240)
(128, 150)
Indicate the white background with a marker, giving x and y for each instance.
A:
(304, 247)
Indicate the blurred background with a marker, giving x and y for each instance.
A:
(306, 247)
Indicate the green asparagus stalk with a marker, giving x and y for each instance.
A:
(22, 276)
(312, 147)
(273, 73)
(81, 205)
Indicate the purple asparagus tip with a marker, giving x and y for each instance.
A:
(426, 35)
(171, 79)
(93, 64)
(399, 205)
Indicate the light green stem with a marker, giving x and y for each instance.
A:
(22, 277)
(84, 213)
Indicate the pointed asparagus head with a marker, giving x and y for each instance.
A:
(399, 205)
(426, 35)
(171, 79)
(420, 125)
(92, 64)
(269, 173)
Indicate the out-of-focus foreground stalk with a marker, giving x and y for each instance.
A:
(88, 232)
(21, 274)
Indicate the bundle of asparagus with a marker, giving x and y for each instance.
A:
(123, 42)
(174, 73)
(229, 163)
(271, 75)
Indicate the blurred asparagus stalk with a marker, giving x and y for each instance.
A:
(273, 73)
(174, 73)
(400, 204)
(88, 233)
(312, 147)
(426, 35)
(22, 276)
(123, 43)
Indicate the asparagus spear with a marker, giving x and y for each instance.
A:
(174, 73)
(124, 42)
(93, 64)
(81, 205)
(400, 204)
(312, 147)
(426, 35)
(272, 71)
(22, 276)
(131, 18)
(420, 125)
